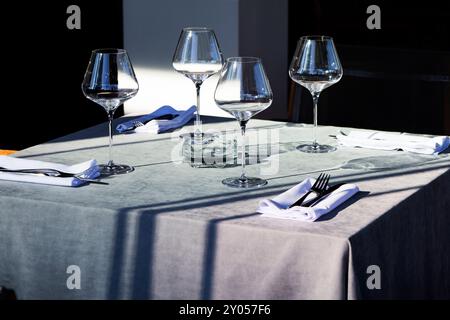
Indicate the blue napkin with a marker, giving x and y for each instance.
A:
(153, 125)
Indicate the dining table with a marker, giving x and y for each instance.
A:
(168, 230)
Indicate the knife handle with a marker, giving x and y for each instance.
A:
(300, 201)
(323, 195)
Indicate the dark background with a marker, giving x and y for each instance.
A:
(396, 78)
(45, 64)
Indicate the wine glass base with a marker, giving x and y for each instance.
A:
(202, 138)
(247, 183)
(113, 169)
(315, 148)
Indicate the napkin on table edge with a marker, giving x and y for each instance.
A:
(381, 140)
(278, 206)
(89, 167)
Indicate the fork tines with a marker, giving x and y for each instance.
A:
(319, 187)
(138, 124)
(321, 183)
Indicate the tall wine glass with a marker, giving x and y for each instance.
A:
(315, 66)
(110, 81)
(198, 57)
(243, 90)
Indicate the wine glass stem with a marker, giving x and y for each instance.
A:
(315, 97)
(197, 87)
(243, 143)
(110, 119)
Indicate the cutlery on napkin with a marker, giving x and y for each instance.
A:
(74, 175)
(318, 189)
(150, 124)
(278, 207)
(394, 141)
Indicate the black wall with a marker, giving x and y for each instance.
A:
(43, 66)
(396, 78)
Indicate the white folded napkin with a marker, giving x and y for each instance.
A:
(87, 170)
(157, 126)
(394, 141)
(278, 207)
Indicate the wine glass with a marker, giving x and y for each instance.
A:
(243, 90)
(315, 66)
(110, 81)
(198, 57)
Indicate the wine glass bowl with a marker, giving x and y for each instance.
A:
(315, 66)
(243, 90)
(198, 56)
(110, 81)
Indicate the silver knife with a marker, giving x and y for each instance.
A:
(323, 195)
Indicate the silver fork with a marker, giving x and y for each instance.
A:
(319, 187)
(138, 124)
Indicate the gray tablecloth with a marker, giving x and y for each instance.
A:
(169, 231)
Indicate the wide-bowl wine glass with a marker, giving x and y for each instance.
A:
(243, 90)
(110, 81)
(315, 66)
(198, 57)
